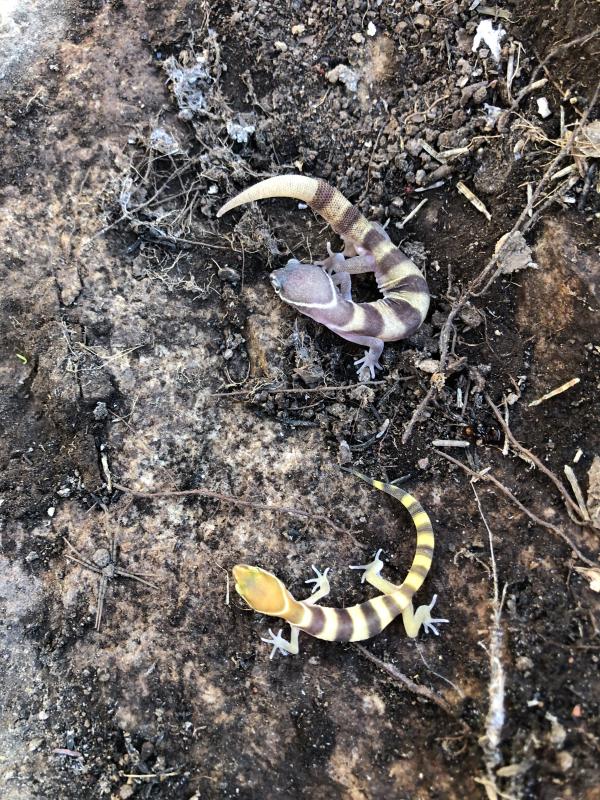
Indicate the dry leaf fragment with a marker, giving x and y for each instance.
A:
(593, 495)
(593, 576)
(514, 253)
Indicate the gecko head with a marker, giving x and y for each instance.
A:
(260, 589)
(304, 285)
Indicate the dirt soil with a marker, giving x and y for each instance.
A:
(141, 346)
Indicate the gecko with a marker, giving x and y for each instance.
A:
(266, 594)
(323, 290)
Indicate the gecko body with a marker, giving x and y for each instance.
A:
(322, 291)
(265, 593)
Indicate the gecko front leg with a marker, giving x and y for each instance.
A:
(281, 645)
(292, 647)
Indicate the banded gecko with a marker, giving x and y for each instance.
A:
(265, 593)
(323, 291)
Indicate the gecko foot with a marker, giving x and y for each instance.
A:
(372, 568)
(321, 581)
(366, 366)
(334, 261)
(428, 622)
(280, 645)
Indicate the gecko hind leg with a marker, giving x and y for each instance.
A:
(355, 263)
(413, 620)
(372, 575)
(367, 365)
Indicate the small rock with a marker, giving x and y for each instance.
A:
(51, 511)
(564, 760)
(163, 142)
(344, 452)
(358, 38)
(298, 30)
(479, 95)
(281, 47)
(310, 374)
(491, 36)
(239, 131)
(423, 463)
(345, 75)
(464, 41)
(371, 29)
(471, 316)
(34, 744)
(100, 411)
(524, 663)
(514, 253)
(422, 21)
(429, 365)
(413, 147)
(543, 108)
(31, 556)
(441, 173)
(228, 274)
(557, 734)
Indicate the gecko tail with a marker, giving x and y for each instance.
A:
(299, 187)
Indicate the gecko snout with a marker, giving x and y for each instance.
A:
(275, 282)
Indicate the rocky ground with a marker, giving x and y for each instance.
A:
(143, 350)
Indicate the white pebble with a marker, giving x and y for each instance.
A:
(371, 29)
(543, 107)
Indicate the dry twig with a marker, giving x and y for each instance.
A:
(486, 476)
(494, 721)
(229, 498)
(415, 688)
(297, 390)
(571, 506)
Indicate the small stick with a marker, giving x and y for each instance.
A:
(228, 498)
(571, 506)
(408, 217)
(64, 751)
(495, 718)
(554, 392)
(451, 443)
(415, 688)
(506, 491)
(323, 389)
(417, 413)
(572, 478)
(473, 199)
